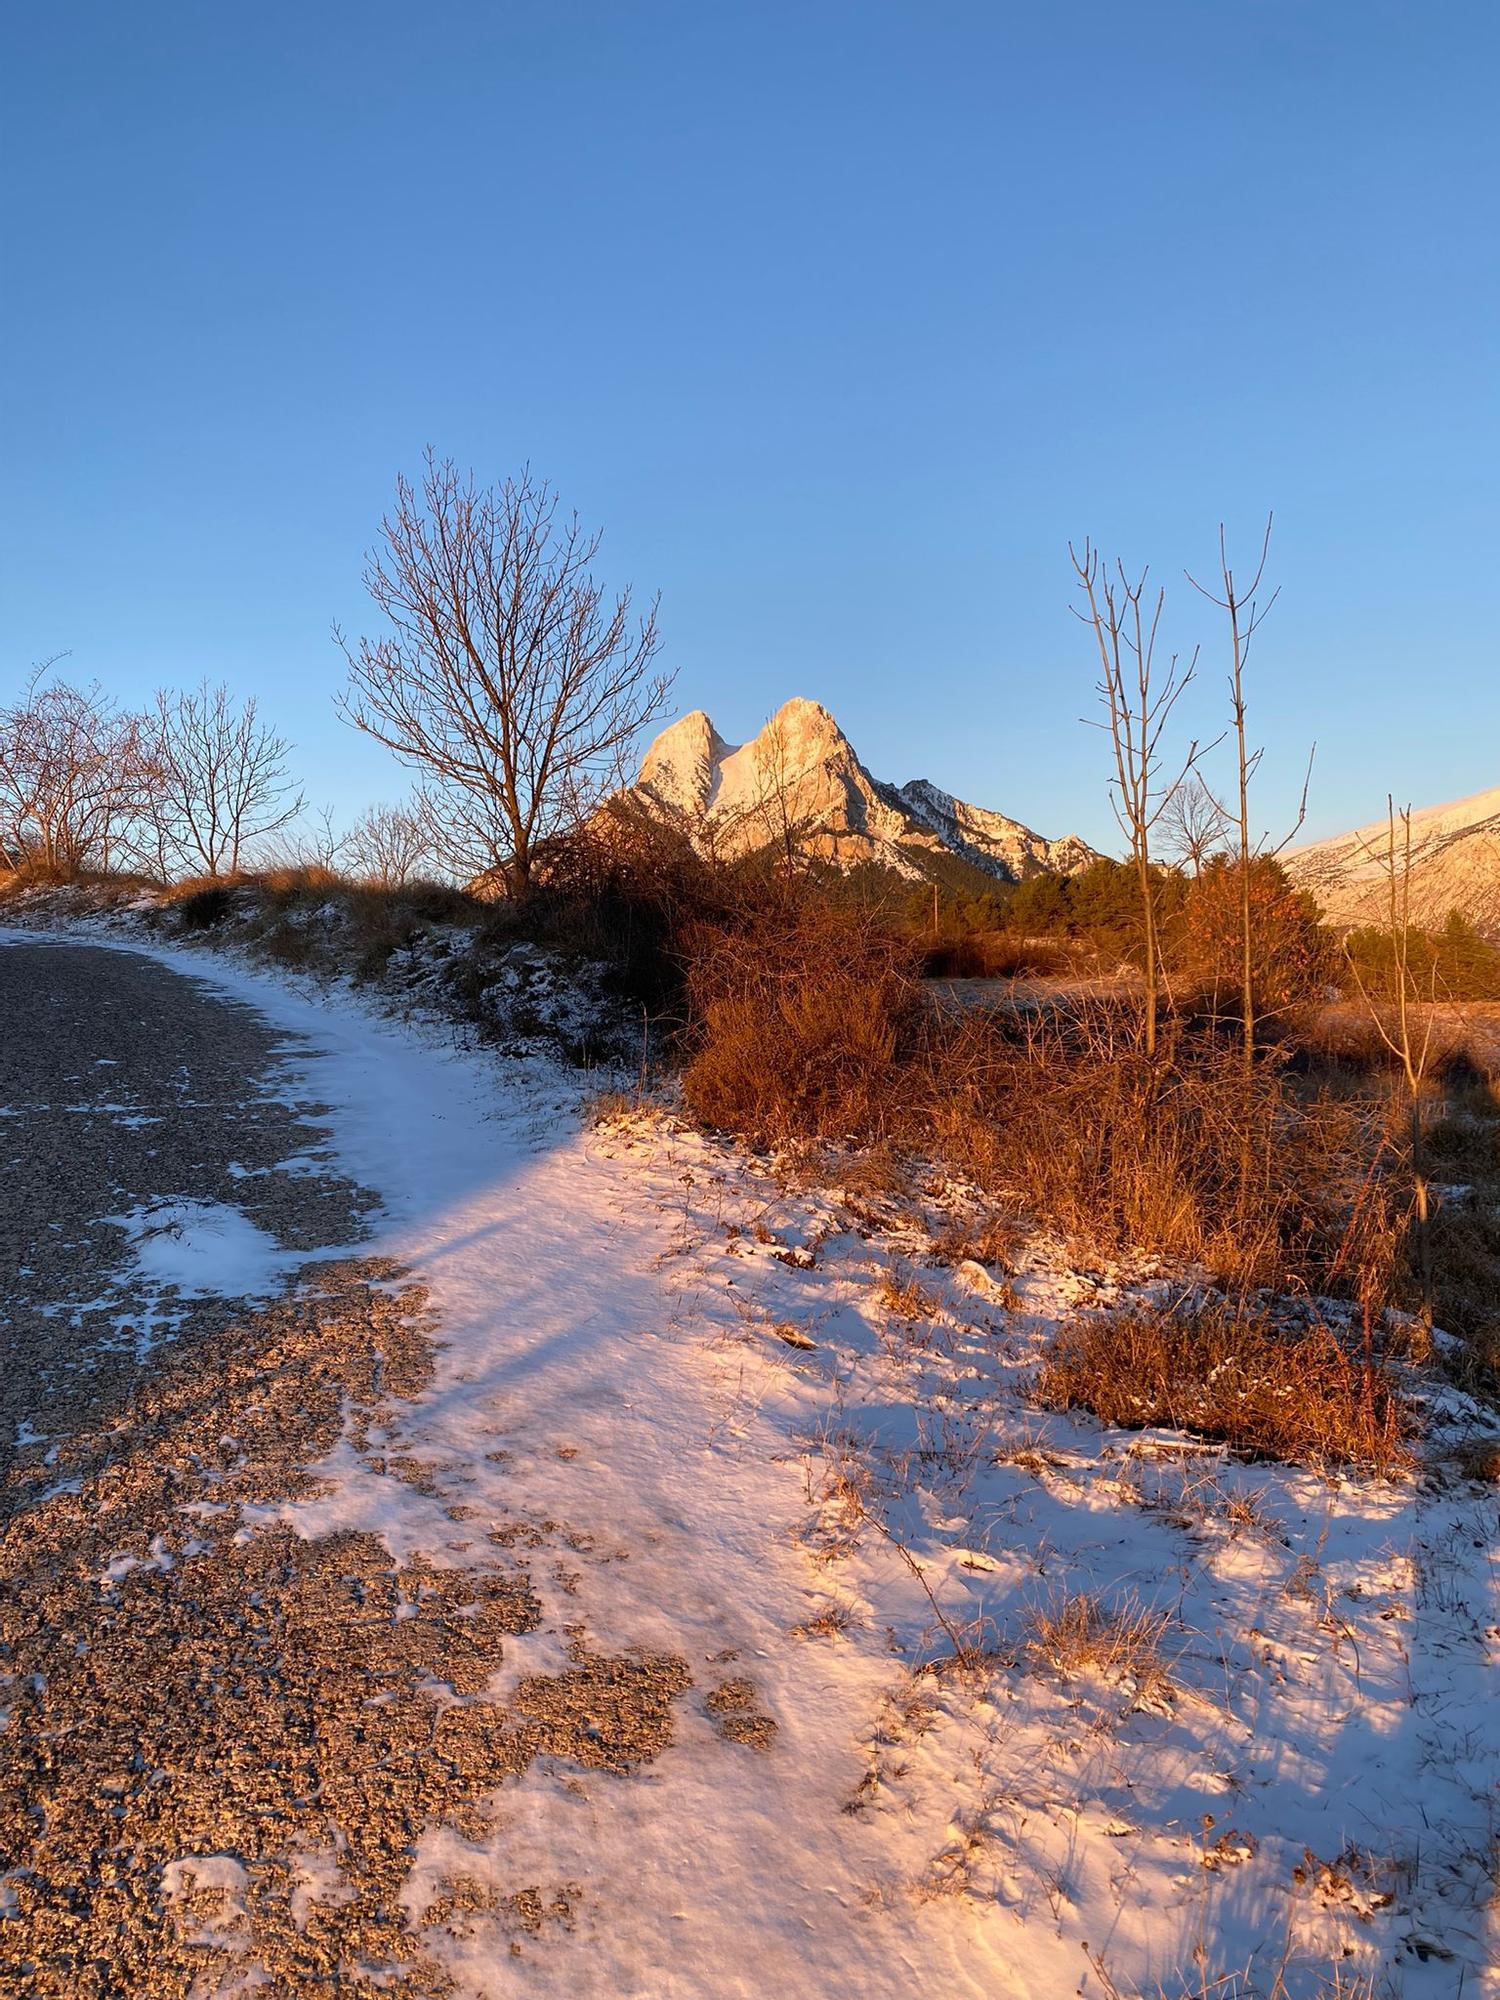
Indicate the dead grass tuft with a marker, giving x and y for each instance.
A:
(995, 1242)
(1079, 1633)
(901, 1295)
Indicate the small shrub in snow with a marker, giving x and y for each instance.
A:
(1227, 1372)
(206, 908)
(1079, 1633)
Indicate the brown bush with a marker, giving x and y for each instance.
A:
(1182, 1155)
(802, 1015)
(1226, 1372)
(808, 1024)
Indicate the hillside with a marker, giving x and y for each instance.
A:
(1455, 852)
(799, 782)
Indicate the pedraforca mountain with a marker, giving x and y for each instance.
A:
(1455, 865)
(798, 783)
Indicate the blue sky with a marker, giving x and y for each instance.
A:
(840, 319)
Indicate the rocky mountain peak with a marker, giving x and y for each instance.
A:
(799, 778)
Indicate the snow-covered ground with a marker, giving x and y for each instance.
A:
(752, 1423)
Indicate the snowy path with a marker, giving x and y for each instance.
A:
(612, 1391)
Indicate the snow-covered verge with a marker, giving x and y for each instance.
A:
(514, 992)
(754, 1422)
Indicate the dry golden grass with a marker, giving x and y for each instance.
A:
(1226, 1372)
(1079, 1634)
(802, 1013)
(902, 1296)
(1185, 1155)
(996, 1241)
(808, 1025)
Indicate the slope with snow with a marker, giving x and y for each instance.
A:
(992, 840)
(684, 1374)
(799, 781)
(1455, 865)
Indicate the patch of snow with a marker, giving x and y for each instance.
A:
(203, 1249)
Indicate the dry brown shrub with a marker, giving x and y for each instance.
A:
(903, 1296)
(808, 1025)
(1225, 1371)
(802, 1014)
(1182, 1155)
(995, 1241)
(299, 878)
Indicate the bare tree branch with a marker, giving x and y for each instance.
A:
(220, 781)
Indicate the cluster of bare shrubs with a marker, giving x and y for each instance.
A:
(805, 1023)
(1226, 1370)
(190, 784)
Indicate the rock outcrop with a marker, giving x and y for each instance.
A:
(798, 783)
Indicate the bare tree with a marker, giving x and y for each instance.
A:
(73, 776)
(386, 845)
(1138, 703)
(509, 680)
(220, 781)
(1246, 615)
(1194, 824)
(1397, 1025)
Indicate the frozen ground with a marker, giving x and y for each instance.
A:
(754, 1425)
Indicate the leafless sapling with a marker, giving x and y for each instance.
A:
(1138, 701)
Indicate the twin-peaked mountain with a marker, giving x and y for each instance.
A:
(798, 784)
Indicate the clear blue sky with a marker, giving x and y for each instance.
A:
(840, 319)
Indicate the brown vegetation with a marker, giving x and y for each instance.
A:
(1079, 1633)
(808, 1025)
(1227, 1371)
(804, 1019)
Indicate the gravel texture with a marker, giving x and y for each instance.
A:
(222, 1741)
(123, 1084)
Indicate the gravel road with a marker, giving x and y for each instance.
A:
(221, 1740)
(126, 1088)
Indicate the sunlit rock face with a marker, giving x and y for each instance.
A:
(799, 783)
(1454, 865)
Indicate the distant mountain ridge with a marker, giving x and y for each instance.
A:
(1455, 865)
(798, 781)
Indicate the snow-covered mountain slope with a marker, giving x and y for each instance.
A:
(992, 840)
(799, 782)
(1455, 865)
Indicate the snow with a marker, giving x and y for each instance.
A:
(203, 1248)
(989, 838)
(1317, 1784)
(1430, 826)
(1455, 865)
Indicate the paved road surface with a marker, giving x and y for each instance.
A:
(124, 1086)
